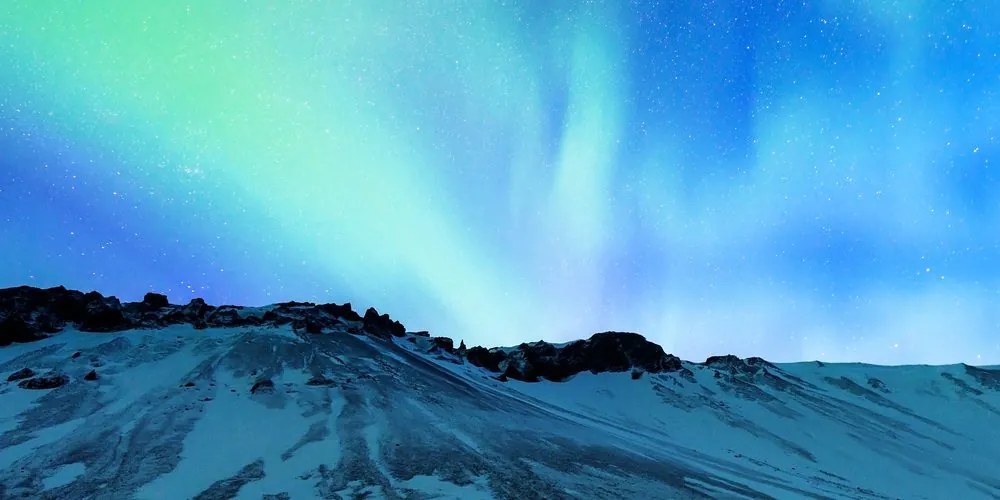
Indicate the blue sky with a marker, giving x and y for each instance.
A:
(796, 180)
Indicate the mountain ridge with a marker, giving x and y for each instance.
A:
(151, 400)
(29, 314)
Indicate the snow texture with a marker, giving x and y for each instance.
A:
(256, 412)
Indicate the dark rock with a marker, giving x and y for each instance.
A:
(197, 308)
(225, 316)
(102, 314)
(382, 325)
(75, 355)
(444, 344)
(727, 361)
(275, 318)
(293, 303)
(486, 358)
(263, 385)
(189, 384)
(91, 375)
(49, 381)
(877, 384)
(49, 324)
(104, 319)
(13, 329)
(422, 333)
(758, 361)
(228, 488)
(733, 365)
(345, 311)
(155, 301)
(21, 374)
(988, 378)
(603, 352)
(308, 325)
(150, 318)
(320, 380)
(66, 304)
(524, 373)
(28, 314)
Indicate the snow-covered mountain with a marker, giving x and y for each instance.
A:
(100, 399)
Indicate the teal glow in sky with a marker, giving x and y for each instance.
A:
(795, 180)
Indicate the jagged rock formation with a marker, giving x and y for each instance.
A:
(48, 381)
(31, 314)
(262, 386)
(21, 374)
(298, 400)
(602, 352)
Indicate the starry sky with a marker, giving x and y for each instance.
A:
(792, 179)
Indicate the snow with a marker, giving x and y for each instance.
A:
(439, 489)
(51, 435)
(233, 432)
(930, 432)
(286, 475)
(281, 331)
(64, 475)
(15, 401)
(612, 400)
(166, 372)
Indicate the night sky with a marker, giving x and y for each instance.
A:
(798, 180)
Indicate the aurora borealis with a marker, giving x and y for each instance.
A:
(798, 180)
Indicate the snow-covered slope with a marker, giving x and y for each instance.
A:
(346, 408)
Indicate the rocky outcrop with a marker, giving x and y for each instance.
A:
(153, 301)
(988, 378)
(486, 358)
(382, 325)
(228, 488)
(320, 380)
(28, 314)
(735, 366)
(443, 344)
(104, 314)
(16, 329)
(603, 352)
(21, 374)
(263, 385)
(48, 381)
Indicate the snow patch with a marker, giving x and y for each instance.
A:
(49, 436)
(233, 432)
(64, 475)
(437, 488)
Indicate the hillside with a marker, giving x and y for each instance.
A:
(100, 399)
